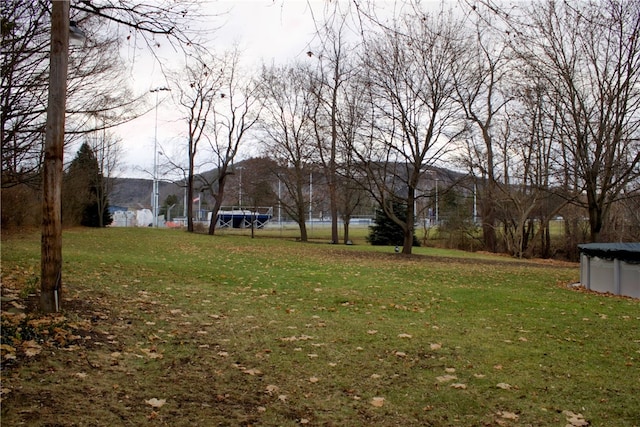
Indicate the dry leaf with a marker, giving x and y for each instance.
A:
(458, 386)
(575, 420)
(253, 371)
(504, 386)
(313, 380)
(404, 336)
(446, 378)
(450, 370)
(151, 353)
(372, 332)
(435, 346)
(31, 348)
(400, 354)
(508, 415)
(156, 403)
(377, 402)
(7, 348)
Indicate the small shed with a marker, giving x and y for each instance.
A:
(611, 267)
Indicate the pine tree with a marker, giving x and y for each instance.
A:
(81, 189)
(386, 231)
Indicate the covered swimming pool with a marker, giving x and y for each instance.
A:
(611, 267)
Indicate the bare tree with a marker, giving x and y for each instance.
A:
(588, 55)
(334, 68)
(107, 149)
(197, 85)
(412, 117)
(480, 92)
(351, 123)
(235, 111)
(288, 135)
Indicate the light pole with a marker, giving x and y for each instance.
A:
(240, 187)
(154, 196)
(437, 222)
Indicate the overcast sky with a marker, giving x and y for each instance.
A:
(266, 30)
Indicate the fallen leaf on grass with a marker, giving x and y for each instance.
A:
(404, 336)
(446, 378)
(156, 403)
(372, 332)
(81, 375)
(151, 353)
(508, 415)
(504, 386)
(8, 352)
(313, 380)
(271, 389)
(377, 402)
(31, 348)
(459, 386)
(435, 346)
(253, 372)
(575, 420)
(302, 337)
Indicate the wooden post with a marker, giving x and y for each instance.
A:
(51, 244)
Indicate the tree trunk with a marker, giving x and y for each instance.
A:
(189, 200)
(51, 244)
(407, 244)
(488, 215)
(218, 202)
(595, 221)
(345, 227)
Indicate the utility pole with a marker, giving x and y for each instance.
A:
(51, 242)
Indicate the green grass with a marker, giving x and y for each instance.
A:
(238, 331)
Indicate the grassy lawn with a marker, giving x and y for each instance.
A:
(161, 327)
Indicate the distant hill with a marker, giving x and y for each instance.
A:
(135, 193)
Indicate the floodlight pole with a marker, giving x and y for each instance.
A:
(155, 191)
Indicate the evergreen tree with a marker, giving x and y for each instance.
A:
(81, 188)
(386, 231)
